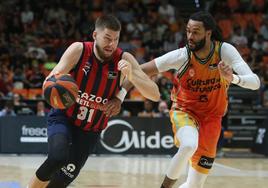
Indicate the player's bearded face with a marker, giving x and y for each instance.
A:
(101, 53)
(196, 45)
(196, 35)
(106, 43)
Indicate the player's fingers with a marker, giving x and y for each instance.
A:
(221, 64)
(120, 67)
(115, 112)
(112, 112)
(107, 112)
(109, 106)
(223, 67)
(227, 69)
(122, 63)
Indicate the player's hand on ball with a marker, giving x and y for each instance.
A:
(126, 68)
(226, 71)
(112, 107)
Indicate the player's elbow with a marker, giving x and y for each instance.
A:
(257, 83)
(256, 86)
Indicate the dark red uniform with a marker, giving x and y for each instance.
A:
(98, 83)
(73, 133)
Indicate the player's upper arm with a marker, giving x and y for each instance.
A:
(172, 60)
(69, 59)
(231, 56)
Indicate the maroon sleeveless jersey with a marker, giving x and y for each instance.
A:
(98, 82)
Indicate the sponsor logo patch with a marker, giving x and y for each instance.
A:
(112, 75)
(206, 162)
(213, 66)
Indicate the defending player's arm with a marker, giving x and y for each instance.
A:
(244, 77)
(68, 60)
(131, 69)
(175, 59)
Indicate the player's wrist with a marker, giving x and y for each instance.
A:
(121, 94)
(236, 79)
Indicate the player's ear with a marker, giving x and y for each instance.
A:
(209, 33)
(94, 35)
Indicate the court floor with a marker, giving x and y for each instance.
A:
(111, 171)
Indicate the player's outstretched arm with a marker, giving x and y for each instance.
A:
(131, 69)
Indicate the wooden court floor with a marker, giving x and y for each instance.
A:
(137, 172)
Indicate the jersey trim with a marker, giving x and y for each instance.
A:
(220, 45)
(204, 61)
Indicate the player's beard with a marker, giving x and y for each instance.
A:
(101, 53)
(198, 45)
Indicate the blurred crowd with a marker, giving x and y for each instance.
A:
(34, 34)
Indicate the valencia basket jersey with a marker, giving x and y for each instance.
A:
(198, 88)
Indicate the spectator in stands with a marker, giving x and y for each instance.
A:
(5, 80)
(264, 29)
(238, 39)
(154, 46)
(125, 13)
(56, 13)
(3, 87)
(255, 60)
(148, 109)
(35, 51)
(18, 78)
(135, 29)
(20, 107)
(17, 100)
(169, 42)
(165, 87)
(125, 44)
(250, 32)
(124, 113)
(163, 110)
(27, 15)
(259, 43)
(8, 110)
(40, 109)
(167, 11)
(36, 78)
(265, 98)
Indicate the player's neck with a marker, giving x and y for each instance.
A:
(204, 52)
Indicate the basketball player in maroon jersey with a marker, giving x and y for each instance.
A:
(73, 133)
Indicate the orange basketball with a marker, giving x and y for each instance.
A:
(60, 91)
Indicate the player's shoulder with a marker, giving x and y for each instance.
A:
(227, 46)
(178, 52)
(76, 46)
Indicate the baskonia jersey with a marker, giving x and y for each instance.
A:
(98, 82)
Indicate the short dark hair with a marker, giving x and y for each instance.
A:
(108, 21)
(209, 24)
